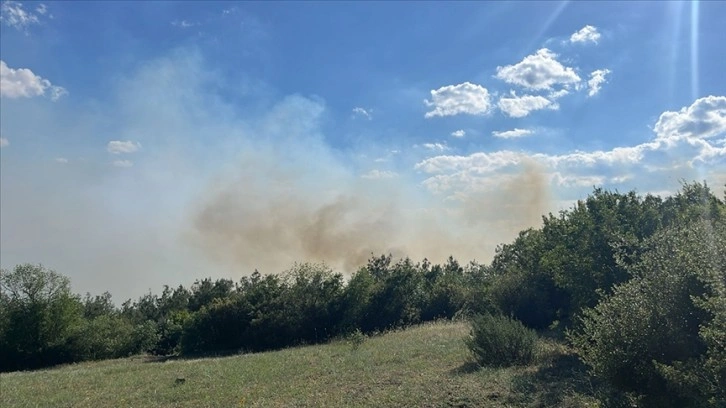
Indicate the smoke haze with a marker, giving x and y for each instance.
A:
(215, 190)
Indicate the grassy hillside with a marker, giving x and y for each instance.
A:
(424, 366)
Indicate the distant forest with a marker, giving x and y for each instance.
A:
(636, 284)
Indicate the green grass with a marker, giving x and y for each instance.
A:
(424, 366)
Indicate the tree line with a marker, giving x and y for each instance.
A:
(636, 284)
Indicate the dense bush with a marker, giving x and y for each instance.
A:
(660, 335)
(501, 341)
(42, 323)
(521, 287)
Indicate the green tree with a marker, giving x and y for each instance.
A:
(661, 334)
(39, 314)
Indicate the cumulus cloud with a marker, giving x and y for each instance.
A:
(597, 78)
(458, 133)
(465, 98)
(123, 163)
(23, 83)
(122, 146)
(14, 15)
(520, 106)
(358, 111)
(514, 133)
(704, 119)
(4, 142)
(539, 71)
(379, 174)
(585, 35)
(684, 139)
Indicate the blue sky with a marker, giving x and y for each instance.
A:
(155, 143)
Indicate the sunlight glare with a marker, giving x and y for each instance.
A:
(550, 20)
(694, 49)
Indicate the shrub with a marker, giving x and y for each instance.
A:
(653, 335)
(501, 341)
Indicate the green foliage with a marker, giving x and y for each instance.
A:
(552, 273)
(356, 339)
(39, 314)
(301, 306)
(521, 287)
(501, 341)
(109, 336)
(644, 338)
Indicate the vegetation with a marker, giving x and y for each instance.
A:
(637, 284)
(427, 365)
(501, 341)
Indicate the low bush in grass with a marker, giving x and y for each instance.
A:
(501, 341)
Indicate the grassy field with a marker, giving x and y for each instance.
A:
(424, 366)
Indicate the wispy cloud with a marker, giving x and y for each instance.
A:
(521, 106)
(465, 98)
(379, 174)
(4, 142)
(361, 112)
(123, 163)
(439, 147)
(514, 133)
(597, 78)
(23, 83)
(184, 24)
(14, 15)
(125, 146)
(41, 9)
(587, 34)
(61, 160)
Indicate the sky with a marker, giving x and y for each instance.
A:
(155, 143)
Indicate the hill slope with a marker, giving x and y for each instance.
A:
(424, 366)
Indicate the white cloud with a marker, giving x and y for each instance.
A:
(558, 94)
(539, 71)
(514, 133)
(479, 162)
(123, 163)
(458, 133)
(358, 111)
(520, 106)
(379, 174)
(704, 119)
(4, 142)
(183, 24)
(436, 146)
(23, 83)
(13, 15)
(61, 160)
(683, 142)
(585, 35)
(597, 78)
(41, 9)
(118, 146)
(578, 181)
(465, 98)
